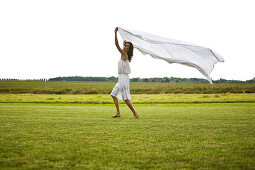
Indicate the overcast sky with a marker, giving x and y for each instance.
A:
(50, 38)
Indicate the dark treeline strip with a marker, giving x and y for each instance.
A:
(155, 79)
(12, 79)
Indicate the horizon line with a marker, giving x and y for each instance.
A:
(1, 79)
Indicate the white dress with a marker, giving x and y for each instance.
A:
(121, 89)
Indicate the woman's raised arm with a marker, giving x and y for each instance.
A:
(117, 43)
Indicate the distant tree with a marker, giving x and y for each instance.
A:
(135, 79)
(146, 80)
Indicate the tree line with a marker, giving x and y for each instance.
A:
(155, 79)
(12, 79)
(114, 79)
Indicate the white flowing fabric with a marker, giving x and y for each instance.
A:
(173, 51)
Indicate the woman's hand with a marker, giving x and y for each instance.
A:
(116, 29)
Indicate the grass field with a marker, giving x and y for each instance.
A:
(136, 98)
(166, 136)
(69, 87)
(68, 125)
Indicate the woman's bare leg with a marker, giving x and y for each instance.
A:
(128, 102)
(116, 102)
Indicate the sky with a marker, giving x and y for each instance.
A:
(51, 38)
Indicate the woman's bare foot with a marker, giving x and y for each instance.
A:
(135, 116)
(116, 115)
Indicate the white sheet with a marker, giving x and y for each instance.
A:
(173, 51)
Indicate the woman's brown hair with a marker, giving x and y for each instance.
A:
(130, 51)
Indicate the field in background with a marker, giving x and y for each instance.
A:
(67, 87)
(135, 98)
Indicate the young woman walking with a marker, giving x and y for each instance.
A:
(121, 89)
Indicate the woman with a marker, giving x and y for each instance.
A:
(121, 89)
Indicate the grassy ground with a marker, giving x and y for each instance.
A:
(62, 87)
(166, 136)
(136, 98)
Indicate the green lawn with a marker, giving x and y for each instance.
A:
(166, 136)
